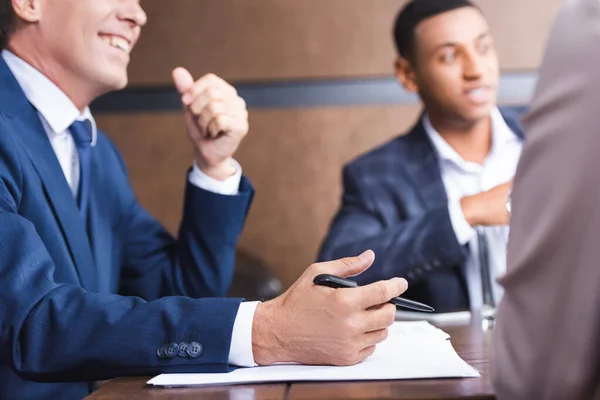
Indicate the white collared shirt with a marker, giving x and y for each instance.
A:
(462, 178)
(57, 112)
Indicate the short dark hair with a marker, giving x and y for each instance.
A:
(7, 18)
(415, 12)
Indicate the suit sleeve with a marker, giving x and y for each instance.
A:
(546, 343)
(411, 249)
(58, 332)
(200, 262)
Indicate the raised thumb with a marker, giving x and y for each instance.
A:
(350, 266)
(184, 81)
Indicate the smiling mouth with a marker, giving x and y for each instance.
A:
(118, 43)
(479, 94)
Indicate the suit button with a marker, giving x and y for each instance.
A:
(172, 350)
(194, 350)
(161, 352)
(428, 267)
(183, 349)
(436, 263)
(411, 275)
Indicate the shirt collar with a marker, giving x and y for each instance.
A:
(52, 104)
(501, 135)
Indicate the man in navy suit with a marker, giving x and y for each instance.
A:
(91, 286)
(432, 203)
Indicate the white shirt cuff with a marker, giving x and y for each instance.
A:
(240, 352)
(230, 186)
(464, 232)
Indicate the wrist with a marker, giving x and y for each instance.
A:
(469, 208)
(267, 347)
(220, 171)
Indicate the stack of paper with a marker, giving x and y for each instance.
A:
(413, 350)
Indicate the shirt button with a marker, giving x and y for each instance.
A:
(183, 349)
(161, 352)
(172, 350)
(194, 350)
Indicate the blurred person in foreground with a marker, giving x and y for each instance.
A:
(546, 343)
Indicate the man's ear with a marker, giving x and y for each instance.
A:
(28, 10)
(406, 75)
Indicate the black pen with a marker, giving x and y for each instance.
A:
(340, 283)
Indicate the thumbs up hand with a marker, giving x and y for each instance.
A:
(216, 120)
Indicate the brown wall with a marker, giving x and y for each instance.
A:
(272, 39)
(293, 156)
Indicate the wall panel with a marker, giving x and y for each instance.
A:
(306, 39)
(293, 157)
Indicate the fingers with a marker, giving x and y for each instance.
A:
(350, 266)
(380, 292)
(369, 341)
(200, 101)
(209, 87)
(374, 338)
(227, 123)
(353, 359)
(213, 103)
(213, 85)
(184, 81)
(379, 318)
(365, 353)
(212, 110)
(370, 321)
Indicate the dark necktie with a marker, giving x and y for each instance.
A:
(82, 135)
(486, 275)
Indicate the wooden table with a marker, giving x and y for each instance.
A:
(470, 342)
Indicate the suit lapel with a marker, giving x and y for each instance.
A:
(424, 170)
(28, 128)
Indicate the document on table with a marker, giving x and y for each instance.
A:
(413, 350)
(453, 318)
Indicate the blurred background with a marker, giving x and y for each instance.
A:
(317, 77)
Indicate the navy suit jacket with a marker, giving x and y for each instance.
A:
(61, 320)
(395, 203)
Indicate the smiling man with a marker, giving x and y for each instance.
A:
(91, 286)
(433, 203)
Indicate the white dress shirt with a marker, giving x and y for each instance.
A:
(57, 112)
(462, 178)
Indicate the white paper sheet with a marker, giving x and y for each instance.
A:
(454, 318)
(413, 350)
